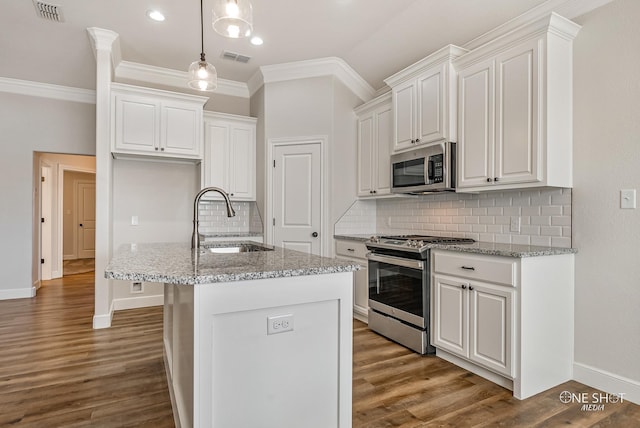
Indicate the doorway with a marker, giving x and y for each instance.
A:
(55, 212)
(296, 202)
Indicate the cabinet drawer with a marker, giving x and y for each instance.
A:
(484, 268)
(351, 249)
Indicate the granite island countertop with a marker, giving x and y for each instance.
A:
(488, 248)
(177, 263)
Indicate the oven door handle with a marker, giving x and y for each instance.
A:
(397, 261)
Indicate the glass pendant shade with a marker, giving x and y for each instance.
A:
(233, 18)
(202, 75)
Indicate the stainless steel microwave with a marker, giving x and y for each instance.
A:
(423, 170)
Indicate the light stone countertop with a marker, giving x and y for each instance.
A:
(230, 234)
(177, 263)
(488, 248)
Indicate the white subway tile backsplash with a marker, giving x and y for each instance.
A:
(545, 216)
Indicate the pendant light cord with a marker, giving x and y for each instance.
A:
(201, 32)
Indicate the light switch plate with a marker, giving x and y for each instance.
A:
(628, 198)
(515, 224)
(134, 220)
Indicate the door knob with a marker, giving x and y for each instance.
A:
(314, 234)
(81, 225)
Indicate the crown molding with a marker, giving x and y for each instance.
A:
(47, 90)
(108, 40)
(567, 8)
(174, 78)
(331, 66)
(445, 54)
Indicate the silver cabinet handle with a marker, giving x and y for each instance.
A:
(468, 267)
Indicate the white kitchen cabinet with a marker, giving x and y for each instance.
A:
(357, 252)
(507, 319)
(475, 321)
(374, 147)
(515, 109)
(151, 122)
(424, 100)
(230, 155)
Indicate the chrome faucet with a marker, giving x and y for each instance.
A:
(195, 236)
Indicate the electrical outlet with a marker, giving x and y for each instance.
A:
(136, 287)
(134, 220)
(515, 224)
(279, 324)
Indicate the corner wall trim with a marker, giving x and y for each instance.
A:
(18, 293)
(607, 382)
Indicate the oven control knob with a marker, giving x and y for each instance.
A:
(420, 243)
(374, 239)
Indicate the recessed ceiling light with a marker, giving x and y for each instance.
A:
(155, 15)
(255, 40)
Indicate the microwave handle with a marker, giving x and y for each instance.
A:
(429, 171)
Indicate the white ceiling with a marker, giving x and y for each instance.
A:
(375, 37)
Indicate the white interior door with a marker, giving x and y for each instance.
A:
(46, 222)
(297, 198)
(86, 199)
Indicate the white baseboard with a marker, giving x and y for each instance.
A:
(361, 314)
(104, 320)
(18, 293)
(138, 302)
(608, 382)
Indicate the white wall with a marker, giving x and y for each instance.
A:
(29, 124)
(161, 195)
(607, 159)
(320, 106)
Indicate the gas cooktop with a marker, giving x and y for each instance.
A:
(412, 243)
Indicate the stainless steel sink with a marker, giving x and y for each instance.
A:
(235, 248)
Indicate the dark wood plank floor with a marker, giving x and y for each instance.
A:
(56, 371)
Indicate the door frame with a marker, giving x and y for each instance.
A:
(326, 238)
(60, 228)
(46, 212)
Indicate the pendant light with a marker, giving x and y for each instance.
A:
(233, 18)
(202, 75)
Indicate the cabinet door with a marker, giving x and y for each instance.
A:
(431, 113)
(404, 107)
(216, 160)
(365, 154)
(181, 135)
(449, 315)
(517, 101)
(242, 163)
(490, 326)
(476, 124)
(136, 124)
(384, 147)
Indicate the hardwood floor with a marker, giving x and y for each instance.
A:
(56, 371)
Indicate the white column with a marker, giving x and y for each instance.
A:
(104, 47)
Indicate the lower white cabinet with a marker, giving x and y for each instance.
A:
(475, 321)
(230, 155)
(508, 319)
(357, 252)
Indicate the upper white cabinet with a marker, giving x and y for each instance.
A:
(375, 129)
(515, 109)
(151, 122)
(230, 155)
(424, 100)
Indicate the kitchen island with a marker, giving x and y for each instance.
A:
(253, 335)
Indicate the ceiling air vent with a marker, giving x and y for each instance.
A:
(50, 12)
(233, 56)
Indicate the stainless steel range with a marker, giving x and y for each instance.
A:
(399, 289)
